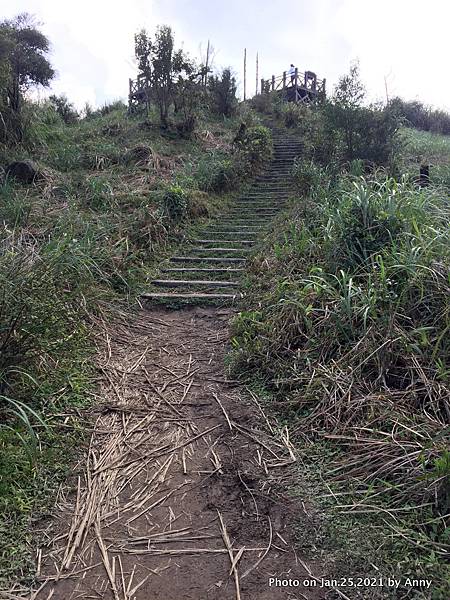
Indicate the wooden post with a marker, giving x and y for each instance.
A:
(273, 83)
(296, 83)
(206, 65)
(257, 73)
(245, 73)
(284, 79)
(424, 176)
(386, 88)
(130, 93)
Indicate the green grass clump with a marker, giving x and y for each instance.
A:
(217, 172)
(222, 170)
(347, 324)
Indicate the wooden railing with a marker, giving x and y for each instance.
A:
(139, 93)
(296, 87)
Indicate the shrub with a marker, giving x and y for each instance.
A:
(113, 106)
(174, 202)
(308, 176)
(366, 133)
(262, 103)
(64, 108)
(223, 93)
(292, 114)
(416, 114)
(220, 172)
(217, 172)
(255, 147)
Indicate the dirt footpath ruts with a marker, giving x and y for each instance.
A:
(182, 491)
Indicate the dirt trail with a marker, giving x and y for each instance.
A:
(183, 491)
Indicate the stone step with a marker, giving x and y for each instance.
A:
(261, 205)
(246, 242)
(243, 229)
(253, 197)
(231, 233)
(201, 270)
(261, 220)
(261, 201)
(250, 209)
(256, 218)
(194, 296)
(218, 249)
(195, 282)
(253, 211)
(206, 260)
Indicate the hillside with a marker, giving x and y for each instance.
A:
(111, 197)
(224, 350)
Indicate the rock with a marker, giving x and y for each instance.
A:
(24, 171)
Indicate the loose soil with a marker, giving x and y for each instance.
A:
(183, 491)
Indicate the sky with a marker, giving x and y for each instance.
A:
(402, 45)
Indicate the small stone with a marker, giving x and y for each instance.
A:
(24, 171)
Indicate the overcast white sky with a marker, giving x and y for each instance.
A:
(404, 41)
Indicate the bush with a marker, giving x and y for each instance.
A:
(292, 114)
(113, 106)
(366, 133)
(174, 202)
(221, 172)
(223, 93)
(263, 103)
(217, 172)
(416, 114)
(64, 108)
(308, 176)
(255, 148)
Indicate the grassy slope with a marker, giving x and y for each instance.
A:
(94, 228)
(294, 338)
(423, 147)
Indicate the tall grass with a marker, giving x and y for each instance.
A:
(348, 325)
(423, 147)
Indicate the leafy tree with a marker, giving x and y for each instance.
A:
(416, 114)
(188, 100)
(163, 66)
(142, 51)
(23, 64)
(350, 91)
(223, 92)
(64, 108)
(366, 132)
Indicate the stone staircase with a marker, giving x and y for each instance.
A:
(210, 264)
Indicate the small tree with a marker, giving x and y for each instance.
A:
(223, 92)
(350, 91)
(23, 64)
(366, 132)
(163, 66)
(346, 101)
(64, 108)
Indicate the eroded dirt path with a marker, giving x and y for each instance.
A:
(182, 494)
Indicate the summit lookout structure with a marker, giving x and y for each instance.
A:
(301, 87)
